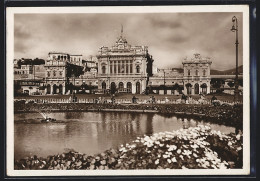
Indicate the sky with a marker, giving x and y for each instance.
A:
(170, 37)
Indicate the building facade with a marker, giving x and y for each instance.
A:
(124, 68)
(196, 75)
(55, 74)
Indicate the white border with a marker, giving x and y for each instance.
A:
(123, 9)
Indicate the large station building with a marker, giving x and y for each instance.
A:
(124, 68)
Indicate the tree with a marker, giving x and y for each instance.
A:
(231, 84)
(74, 70)
(217, 83)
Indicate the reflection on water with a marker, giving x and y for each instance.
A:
(90, 132)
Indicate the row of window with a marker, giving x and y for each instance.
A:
(120, 69)
(197, 72)
(54, 73)
(23, 72)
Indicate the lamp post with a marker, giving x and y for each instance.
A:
(235, 29)
(164, 82)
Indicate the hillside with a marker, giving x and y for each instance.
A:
(227, 72)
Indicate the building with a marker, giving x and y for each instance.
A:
(76, 59)
(124, 68)
(32, 87)
(55, 74)
(196, 77)
(167, 81)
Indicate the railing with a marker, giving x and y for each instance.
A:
(127, 101)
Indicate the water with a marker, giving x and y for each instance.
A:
(90, 132)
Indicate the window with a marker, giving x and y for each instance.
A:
(137, 69)
(197, 72)
(54, 73)
(115, 67)
(204, 72)
(103, 69)
(131, 68)
(60, 72)
(111, 67)
(48, 74)
(188, 72)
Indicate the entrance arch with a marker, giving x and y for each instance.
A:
(113, 87)
(138, 87)
(204, 88)
(121, 86)
(54, 89)
(60, 89)
(104, 85)
(196, 89)
(129, 87)
(48, 89)
(188, 86)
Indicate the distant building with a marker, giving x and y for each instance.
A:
(124, 68)
(196, 77)
(76, 59)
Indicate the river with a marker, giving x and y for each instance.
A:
(90, 132)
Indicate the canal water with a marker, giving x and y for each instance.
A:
(90, 132)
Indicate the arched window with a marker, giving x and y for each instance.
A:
(204, 72)
(137, 69)
(188, 72)
(129, 87)
(104, 85)
(121, 86)
(103, 69)
(54, 73)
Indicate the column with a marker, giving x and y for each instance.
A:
(63, 89)
(129, 62)
(51, 89)
(125, 66)
(208, 87)
(133, 87)
(112, 63)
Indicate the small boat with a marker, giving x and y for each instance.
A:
(48, 120)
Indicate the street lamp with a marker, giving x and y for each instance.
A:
(235, 29)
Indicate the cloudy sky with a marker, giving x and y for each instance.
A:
(170, 36)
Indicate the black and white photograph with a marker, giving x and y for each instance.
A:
(147, 90)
